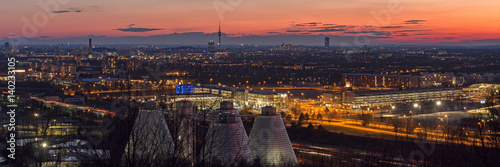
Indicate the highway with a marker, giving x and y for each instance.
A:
(308, 153)
(484, 109)
(74, 106)
(355, 128)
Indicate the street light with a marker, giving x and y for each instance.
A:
(484, 124)
(44, 145)
(36, 124)
(438, 103)
(417, 106)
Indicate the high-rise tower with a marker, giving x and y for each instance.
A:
(327, 42)
(220, 33)
(90, 46)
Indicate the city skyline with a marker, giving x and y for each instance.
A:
(290, 83)
(253, 22)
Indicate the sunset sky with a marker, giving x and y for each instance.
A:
(252, 21)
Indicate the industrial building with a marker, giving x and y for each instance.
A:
(150, 141)
(226, 140)
(269, 140)
(185, 133)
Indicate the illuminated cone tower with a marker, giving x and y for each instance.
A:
(269, 140)
(227, 142)
(150, 140)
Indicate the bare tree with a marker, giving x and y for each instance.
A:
(150, 143)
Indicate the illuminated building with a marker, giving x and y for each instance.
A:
(284, 46)
(378, 80)
(480, 92)
(298, 66)
(269, 140)
(150, 139)
(60, 47)
(438, 79)
(226, 140)
(332, 97)
(133, 65)
(184, 89)
(211, 44)
(246, 97)
(20, 74)
(68, 71)
(367, 98)
(109, 65)
(200, 100)
(78, 59)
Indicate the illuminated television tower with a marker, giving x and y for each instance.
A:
(219, 37)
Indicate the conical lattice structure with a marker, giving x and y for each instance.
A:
(227, 142)
(185, 131)
(150, 141)
(269, 140)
